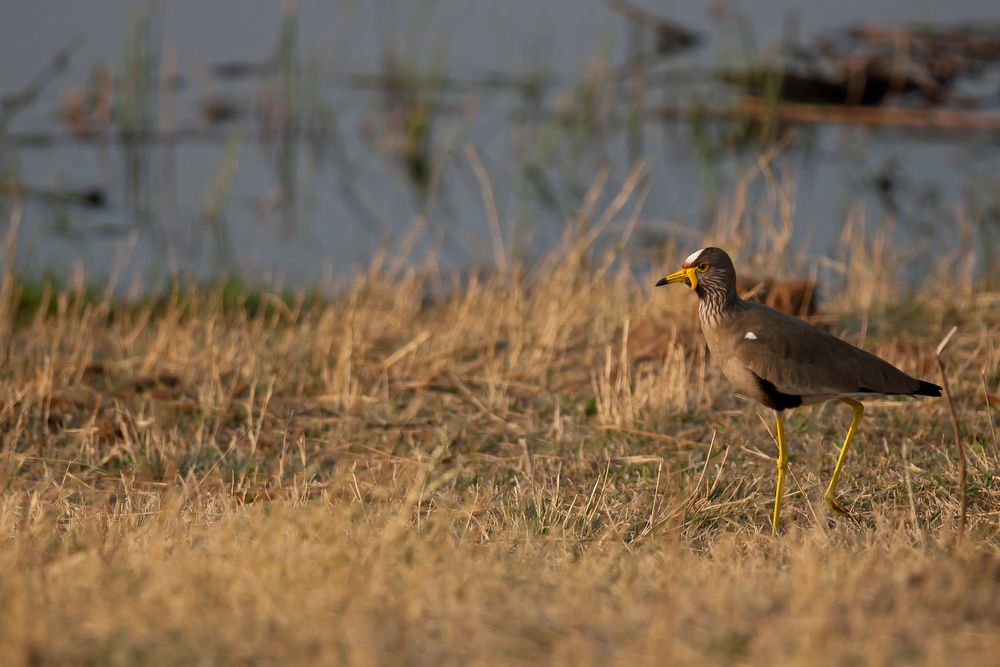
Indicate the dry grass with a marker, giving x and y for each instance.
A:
(494, 477)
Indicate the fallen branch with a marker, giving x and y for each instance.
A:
(753, 108)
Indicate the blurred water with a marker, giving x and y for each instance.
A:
(320, 200)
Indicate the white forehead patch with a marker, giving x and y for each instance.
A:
(750, 336)
(693, 256)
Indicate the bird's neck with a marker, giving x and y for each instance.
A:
(716, 305)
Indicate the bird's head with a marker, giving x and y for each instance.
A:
(707, 271)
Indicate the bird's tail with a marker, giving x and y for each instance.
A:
(927, 389)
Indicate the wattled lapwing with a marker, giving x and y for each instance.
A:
(783, 362)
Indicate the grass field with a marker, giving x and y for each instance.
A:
(539, 467)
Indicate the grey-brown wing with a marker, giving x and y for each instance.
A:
(799, 359)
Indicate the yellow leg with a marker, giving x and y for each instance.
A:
(831, 490)
(782, 469)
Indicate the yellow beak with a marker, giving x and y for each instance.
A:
(683, 275)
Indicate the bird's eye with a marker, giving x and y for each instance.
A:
(702, 267)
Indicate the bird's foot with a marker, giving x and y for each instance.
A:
(835, 506)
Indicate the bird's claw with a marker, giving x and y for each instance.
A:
(836, 507)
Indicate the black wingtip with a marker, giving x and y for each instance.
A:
(661, 282)
(927, 389)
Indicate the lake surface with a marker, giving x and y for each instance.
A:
(364, 130)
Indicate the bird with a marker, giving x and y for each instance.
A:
(783, 362)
